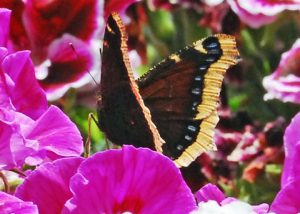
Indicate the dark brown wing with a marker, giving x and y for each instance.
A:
(182, 93)
(121, 111)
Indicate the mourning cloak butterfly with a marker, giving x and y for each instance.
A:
(172, 108)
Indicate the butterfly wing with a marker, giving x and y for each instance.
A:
(182, 93)
(121, 111)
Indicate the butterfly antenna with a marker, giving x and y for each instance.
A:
(75, 52)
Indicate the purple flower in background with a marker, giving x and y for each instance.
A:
(115, 181)
(31, 133)
(257, 13)
(11, 204)
(269, 7)
(284, 83)
(287, 200)
(212, 200)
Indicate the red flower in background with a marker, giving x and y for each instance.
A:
(47, 28)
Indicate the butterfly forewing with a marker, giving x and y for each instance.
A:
(122, 114)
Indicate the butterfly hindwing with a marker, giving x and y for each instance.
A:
(182, 94)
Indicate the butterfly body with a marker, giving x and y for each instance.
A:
(172, 108)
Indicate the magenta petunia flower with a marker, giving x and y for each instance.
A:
(212, 200)
(287, 200)
(284, 83)
(31, 133)
(11, 204)
(115, 181)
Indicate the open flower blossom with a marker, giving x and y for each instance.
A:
(212, 200)
(114, 181)
(31, 132)
(257, 13)
(284, 83)
(11, 204)
(287, 200)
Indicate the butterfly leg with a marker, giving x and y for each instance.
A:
(5, 182)
(87, 145)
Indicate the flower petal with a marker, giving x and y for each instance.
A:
(210, 192)
(6, 156)
(129, 180)
(47, 186)
(46, 21)
(56, 133)
(11, 204)
(267, 7)
(4, 26)
(69, 66)
(253, 20)
(284, 83)
(291, 169)
(117, 6)
(14, 147)
(25, 93)
(287, 200)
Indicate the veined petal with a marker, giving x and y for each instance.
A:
(25, 93)
(11, 204)
(48, 185)
(129, 180)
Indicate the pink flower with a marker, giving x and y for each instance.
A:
(11, 204)
(212, 200)
(269, 7)
(31, 133)
(287, 200)
(284, 83)
(115, 181)
(253, 19)
(257, 13)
